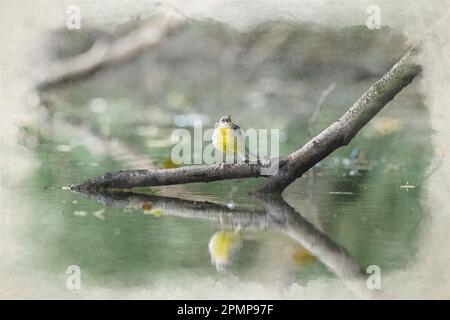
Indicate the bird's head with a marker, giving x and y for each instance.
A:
(224, 122)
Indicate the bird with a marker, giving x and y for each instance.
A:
(229, 138)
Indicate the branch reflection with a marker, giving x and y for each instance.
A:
(278, 216)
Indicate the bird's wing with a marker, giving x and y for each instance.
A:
(247, 155)
(237, 131)
(239, 134)
(235, 126)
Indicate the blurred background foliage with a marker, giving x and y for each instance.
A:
(271, 76)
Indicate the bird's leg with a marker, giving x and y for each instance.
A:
(235, 151)
(224, 150)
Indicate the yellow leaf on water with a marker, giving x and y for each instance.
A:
(298, 255)
(157, 212)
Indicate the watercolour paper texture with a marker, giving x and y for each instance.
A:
(291, 68)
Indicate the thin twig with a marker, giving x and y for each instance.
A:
(312, 120)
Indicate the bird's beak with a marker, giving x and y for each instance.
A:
(229, 117)
(216, 125)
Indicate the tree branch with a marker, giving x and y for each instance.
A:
(128, 179)
(103, 54)
(341, 132)
(291, 167)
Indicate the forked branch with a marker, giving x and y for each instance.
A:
(292, 166)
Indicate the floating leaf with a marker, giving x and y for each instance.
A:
(157, 212)
(99, 214)
(299, 255)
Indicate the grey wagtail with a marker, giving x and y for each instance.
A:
(228, 138)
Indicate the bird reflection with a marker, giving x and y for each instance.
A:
(223, 247)
(311, 244)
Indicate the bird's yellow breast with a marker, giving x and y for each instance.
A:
(224, 140)
(222, 244)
